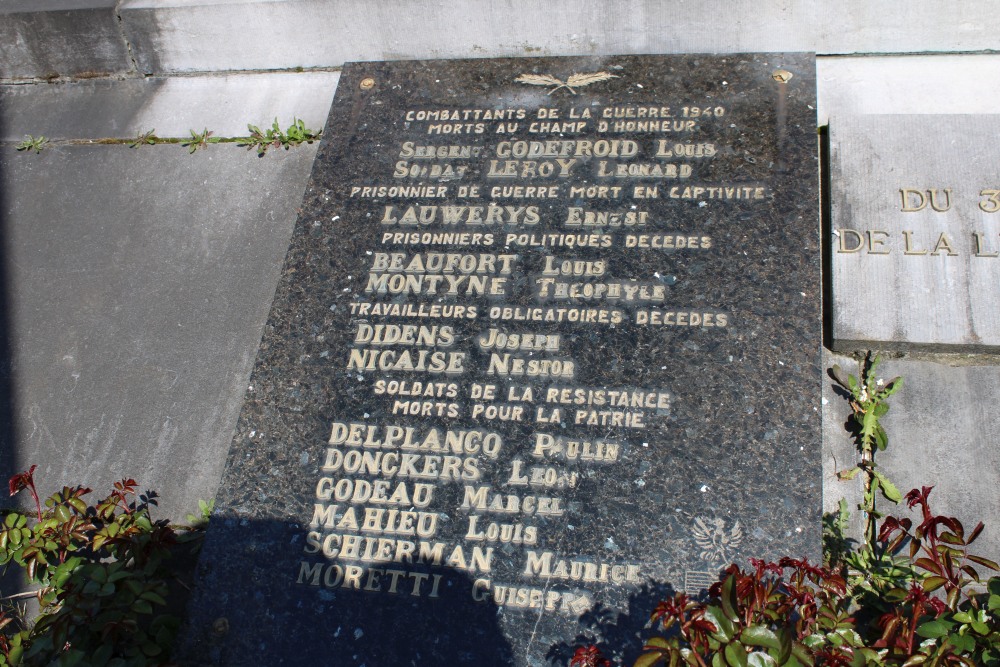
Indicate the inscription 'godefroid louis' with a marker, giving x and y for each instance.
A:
(514, 366)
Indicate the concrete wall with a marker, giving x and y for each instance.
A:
(136, 281)
(60, 38)
(66, 38)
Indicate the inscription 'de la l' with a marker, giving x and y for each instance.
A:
(517, 344)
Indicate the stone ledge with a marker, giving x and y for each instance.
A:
(61, 38)
(187, 35)
(172, 106)
(225, 103)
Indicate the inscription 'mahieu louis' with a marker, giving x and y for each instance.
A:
(517, 350)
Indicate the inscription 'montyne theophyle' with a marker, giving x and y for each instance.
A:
(545, 343)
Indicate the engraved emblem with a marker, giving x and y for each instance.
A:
(715, 543)
(574, 81)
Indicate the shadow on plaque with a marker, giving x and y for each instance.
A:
(619, 634)
(255, 603)
(11, 580)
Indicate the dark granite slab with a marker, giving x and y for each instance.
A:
(647, 227)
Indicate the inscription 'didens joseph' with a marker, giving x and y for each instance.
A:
(538, 344)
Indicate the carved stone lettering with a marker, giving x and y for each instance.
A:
(546, 345)
(916, 233)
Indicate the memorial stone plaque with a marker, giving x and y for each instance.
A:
(916, 232)
(545, 348)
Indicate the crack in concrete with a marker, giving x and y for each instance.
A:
(124, 36)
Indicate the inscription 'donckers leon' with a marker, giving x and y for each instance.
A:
(546, 343)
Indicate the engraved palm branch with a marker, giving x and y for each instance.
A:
(571, 84)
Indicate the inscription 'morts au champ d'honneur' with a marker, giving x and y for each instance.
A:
(546, 342)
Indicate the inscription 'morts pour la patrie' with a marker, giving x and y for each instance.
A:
(545, 345)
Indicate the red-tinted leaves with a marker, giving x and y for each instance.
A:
(985, 562)
(915, 497)
(589, 656)
(100, 574)
(26, 480)
(975, 533)
(22, 480)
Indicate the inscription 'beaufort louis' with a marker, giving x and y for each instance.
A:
(440, 273)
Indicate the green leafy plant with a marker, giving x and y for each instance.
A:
(296, 134)
(205, 508)
(961, 628)
(274, 137)
(101, 577)
(837, 546)
(31, 143)
(148, 138)
(797, 614)
(872, 569)
(760, 617)
(908, 596)
(869, 396)
(200, 140)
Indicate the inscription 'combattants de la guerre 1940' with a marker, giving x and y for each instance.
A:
(545, 345)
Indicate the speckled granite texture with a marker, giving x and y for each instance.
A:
(727, 462)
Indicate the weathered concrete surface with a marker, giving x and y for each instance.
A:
(907, 84)
(61, 38)
(943, 429)
(137, 284)
(185, 35)
(171, 106)
(845, 86)
(916, 225)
